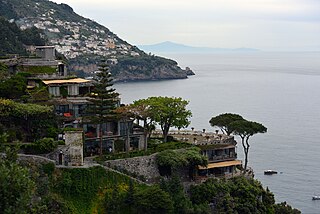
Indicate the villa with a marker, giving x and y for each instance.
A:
(70, 100)
(220, 149)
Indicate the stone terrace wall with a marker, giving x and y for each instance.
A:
(141, 166)
(33, 159)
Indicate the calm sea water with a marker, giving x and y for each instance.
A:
(279, 90)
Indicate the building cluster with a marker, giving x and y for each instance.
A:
(77, 38)
(70, 98)
(220, 149)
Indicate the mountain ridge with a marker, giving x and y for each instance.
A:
(172, 47)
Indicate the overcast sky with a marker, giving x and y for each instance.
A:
(284, 25)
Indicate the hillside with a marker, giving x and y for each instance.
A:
(13, 40)
(84, 42)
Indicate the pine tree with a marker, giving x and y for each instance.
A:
(103, 100)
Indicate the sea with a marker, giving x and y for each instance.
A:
(278, 89)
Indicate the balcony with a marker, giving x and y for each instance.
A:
(222, 157)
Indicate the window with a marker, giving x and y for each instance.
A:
(55, 91)
(73, 90)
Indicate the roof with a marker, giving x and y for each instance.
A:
(42, 47)
(222, 164)
(64, 81)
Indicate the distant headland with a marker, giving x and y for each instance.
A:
(172, 47)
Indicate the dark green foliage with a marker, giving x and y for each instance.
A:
(64, 92)
(114, 204)
(13, 39)
(38, 69)
(152, 200)
(119, 145)
(170, 159)
(82, 186)
(16, 187)
(223, 121)
(48, 168)
(181, 202)
(32, 36)
(103, 99)
(237, 195)
(7, 10)
(167, 112)
(151, 150)
(144, 64)
(4, 73)
(42, 146)
(31, 120)
(45, 145)
(13, 88)
(38, 95)
(284, 208)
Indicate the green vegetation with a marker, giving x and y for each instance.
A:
(95, 190)
(13, 88)
(21, 184)
(284, 208)
(38, 69)
(38, 95)
(4, 73)
(167, 112)
(103, 99)
(144, 64)
(154, 148)
(236, 124)
(152, 200)
(7, 10)
(13, 39)
(237, 195)
(168, 160)
(245, 129)
(85, 189)
(223, 122)
(142, 111)
(42, 146)
(26, 122)
(16, 187)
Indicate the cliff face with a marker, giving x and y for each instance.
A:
(84, 42)
(159, 72)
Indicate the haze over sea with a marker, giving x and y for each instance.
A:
(279, 90)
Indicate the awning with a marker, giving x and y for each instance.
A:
(62, 81)
(221, 164)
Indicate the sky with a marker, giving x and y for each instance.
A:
(271, 25)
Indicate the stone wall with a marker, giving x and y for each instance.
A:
(70, 154)
(144, 166)
(33, 159)
(74, 140)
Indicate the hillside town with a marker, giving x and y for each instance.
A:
(73, 39)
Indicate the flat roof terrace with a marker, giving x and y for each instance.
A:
(198, 137)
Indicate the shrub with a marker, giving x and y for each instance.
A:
(152, 200)
(48, 168)
(46, 145)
